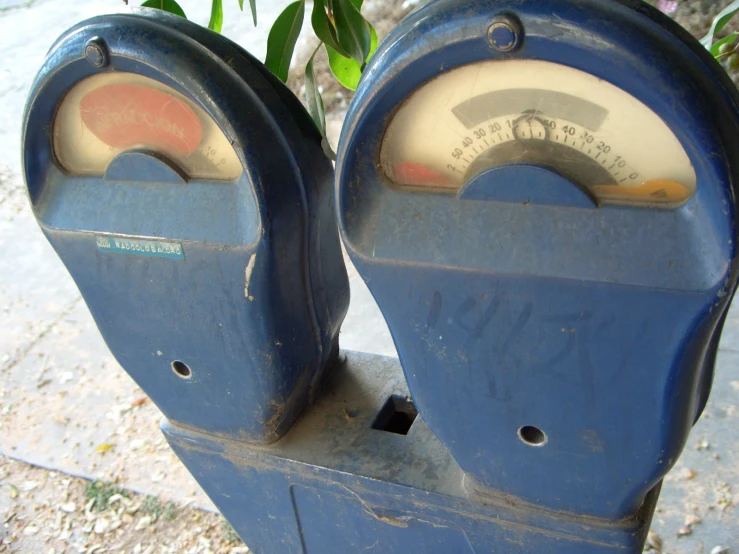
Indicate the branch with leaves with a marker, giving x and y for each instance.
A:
(349, 40)
(727, 48)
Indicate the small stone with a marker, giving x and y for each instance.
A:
(683, 531)
(115, 498)
(719, 550)
(101, 525)
(692, 519)
(143, 523)
(69, 507)
(29, 485)
(115, 525)
(30, 530)
(703, 444)
(687, 473)
(66, 377)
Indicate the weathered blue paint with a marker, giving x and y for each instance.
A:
(137, 166)
(255, 306)
(509, 306)
(534, 185)
(334, 485)
(598, 325)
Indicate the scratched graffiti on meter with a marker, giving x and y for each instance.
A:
(497, 113)
(111, 113)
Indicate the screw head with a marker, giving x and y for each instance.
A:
(96, 52)
(505, 33)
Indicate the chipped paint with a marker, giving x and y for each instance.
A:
(247, 276)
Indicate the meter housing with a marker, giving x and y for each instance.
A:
(557, 327)
(185, 189)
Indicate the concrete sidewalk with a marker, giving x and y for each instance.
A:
(66, 404)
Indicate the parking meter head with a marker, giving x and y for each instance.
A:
(186, 191)
(549, 229)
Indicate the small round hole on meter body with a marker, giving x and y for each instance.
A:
(533, 436)
(111, 113)
(181, 369)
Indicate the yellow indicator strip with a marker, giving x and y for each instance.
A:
(658, 191)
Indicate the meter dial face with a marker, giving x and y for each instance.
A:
(110, 113)
(496, 113)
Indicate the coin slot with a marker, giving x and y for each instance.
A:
(396, 416)
(181, 369)
(533, 436)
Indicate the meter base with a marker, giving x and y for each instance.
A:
(346, 479)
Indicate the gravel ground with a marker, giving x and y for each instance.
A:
(51, 513)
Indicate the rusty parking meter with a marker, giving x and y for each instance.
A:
(541, 197)
(185, 190)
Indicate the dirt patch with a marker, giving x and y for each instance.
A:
(45, 512)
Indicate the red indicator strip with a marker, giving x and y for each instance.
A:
(125, 116)
(411, 173)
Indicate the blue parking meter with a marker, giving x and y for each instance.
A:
(185, 189)
(540, 197)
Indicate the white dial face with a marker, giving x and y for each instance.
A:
(495, 113)
(113, 112)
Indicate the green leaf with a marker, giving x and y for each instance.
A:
(720, 22)
(313, 98)
(323, 26)
(282, 38)
(346, 70)
(352, 30)
(253, 4)
(166, 5)
(729, 39)
(216, 16)
(315, 106)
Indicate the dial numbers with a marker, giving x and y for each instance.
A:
(523, 111)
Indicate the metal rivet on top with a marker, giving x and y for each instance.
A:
(96, 52)
(505, 34)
